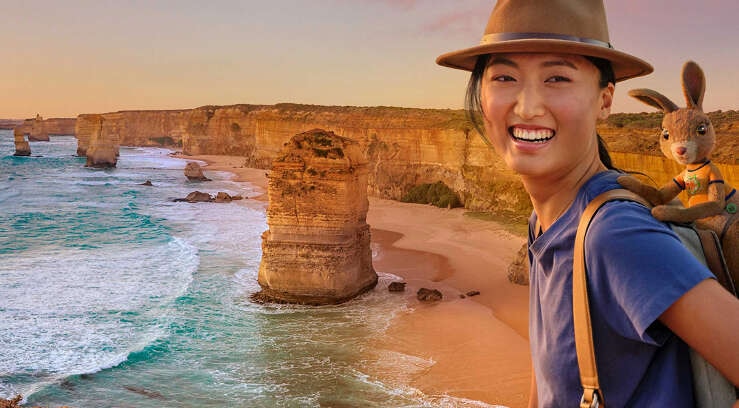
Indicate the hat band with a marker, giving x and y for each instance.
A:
(500, 37)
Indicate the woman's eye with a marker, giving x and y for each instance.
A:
(701, 129)
(557, 78)
(503, 78)
(665, 134)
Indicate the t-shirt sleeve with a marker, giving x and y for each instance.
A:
(637, 268)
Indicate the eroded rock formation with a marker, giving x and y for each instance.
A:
(38, 129)
(163, 128)
(317, 248)
(22, 148)
(194, 172)
(429, 295)
(518, 270)
(103, 151)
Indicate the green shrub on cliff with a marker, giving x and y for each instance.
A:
(635, 120)
(438, 194)
(163, 140)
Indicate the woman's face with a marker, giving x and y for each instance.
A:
(541, 109)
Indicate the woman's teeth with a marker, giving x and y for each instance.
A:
(532, 135)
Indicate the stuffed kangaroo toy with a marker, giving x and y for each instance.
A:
(688, 137)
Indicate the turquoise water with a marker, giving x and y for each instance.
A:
(113, 295)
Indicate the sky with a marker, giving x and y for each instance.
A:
(64, 58)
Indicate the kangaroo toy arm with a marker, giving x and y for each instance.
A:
(664, 210)
(714, 206)
(687, 215)
(655, 196)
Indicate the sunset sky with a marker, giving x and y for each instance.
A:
(63, 58)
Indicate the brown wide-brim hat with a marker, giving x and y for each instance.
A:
(551, 26)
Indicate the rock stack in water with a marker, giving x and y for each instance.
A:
(194, 172)
(317, 248)
(22, 148)
(38, 132)
(102, 151)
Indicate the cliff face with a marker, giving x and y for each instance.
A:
(39, 129)
(317, 248)
(60, 126)
(10, 123)
(135, 128)
(404, 147)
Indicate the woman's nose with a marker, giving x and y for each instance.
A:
(529, 103)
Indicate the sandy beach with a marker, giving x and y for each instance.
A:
(472, 347)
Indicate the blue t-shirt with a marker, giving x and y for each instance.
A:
(636, 268)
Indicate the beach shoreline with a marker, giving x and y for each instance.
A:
(472, 347)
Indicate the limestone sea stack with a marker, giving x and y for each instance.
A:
(317, 248)
(194, 172)
(102, 151)
(22, 148)
(38, 132)
(83, 130)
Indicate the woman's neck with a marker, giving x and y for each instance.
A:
(552, 196)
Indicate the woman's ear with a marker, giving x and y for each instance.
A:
(606, 101)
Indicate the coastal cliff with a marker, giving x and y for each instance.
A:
(39, 129)
(135, 128)
(10, 124)
(405, 147)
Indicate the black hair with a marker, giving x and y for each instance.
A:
(473, 105)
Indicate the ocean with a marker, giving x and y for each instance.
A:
(113, 295)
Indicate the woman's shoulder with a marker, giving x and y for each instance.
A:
(623, 215)
(625, 233)
(625, 220)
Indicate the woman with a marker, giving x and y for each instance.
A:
(542, 76)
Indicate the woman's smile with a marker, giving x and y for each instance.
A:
(539, 135)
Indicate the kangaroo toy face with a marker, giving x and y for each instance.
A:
(687, 134)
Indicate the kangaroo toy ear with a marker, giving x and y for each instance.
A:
(694, 85)
(654, 98)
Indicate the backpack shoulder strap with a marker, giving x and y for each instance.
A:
(711, 245)
(592, 394)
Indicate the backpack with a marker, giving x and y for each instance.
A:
(711, 389)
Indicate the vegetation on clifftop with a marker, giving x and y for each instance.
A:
(166, 141)
(438, 194)
(646, 120)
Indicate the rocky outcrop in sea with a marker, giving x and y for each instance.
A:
(194, 172)
(103, 151)
(22, 148)
(317, 248)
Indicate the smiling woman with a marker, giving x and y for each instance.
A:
(542, 76)
(540, 112)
